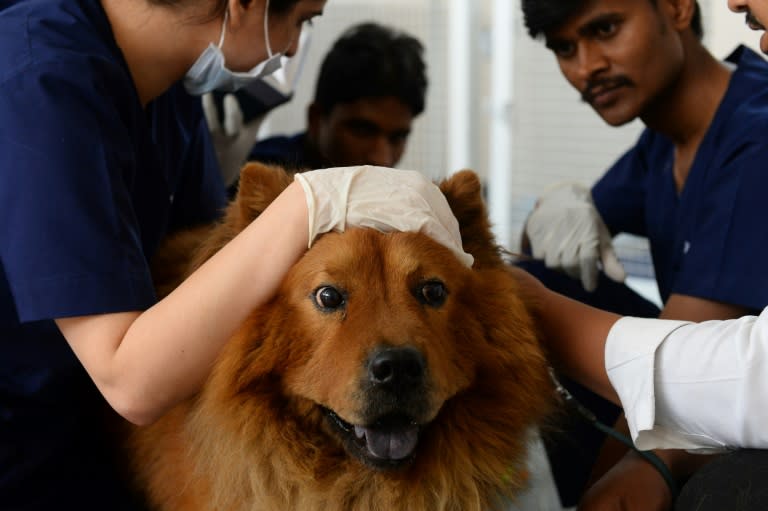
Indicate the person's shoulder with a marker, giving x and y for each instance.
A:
(278, 148)
(743, 112)
(289, 151)
(749, 64)
(52, 37)
(649, 141)
(281, 141)
(650, 152)
(749, 82)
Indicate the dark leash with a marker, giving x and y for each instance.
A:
(587, 414)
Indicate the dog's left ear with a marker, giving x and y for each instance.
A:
(464, 194)
(259, 185)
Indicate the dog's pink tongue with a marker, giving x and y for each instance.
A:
(390, 445)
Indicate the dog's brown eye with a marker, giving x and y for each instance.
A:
(433, 293)
(328, 297)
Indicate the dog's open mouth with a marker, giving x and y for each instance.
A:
(389, 442)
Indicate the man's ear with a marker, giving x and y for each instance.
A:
(238, 9)
(679, 12)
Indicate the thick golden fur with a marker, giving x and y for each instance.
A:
(259, 437)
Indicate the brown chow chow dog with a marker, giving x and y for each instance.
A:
(384, 375)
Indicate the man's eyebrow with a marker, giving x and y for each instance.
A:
(586, 29)
(593, 24)
(360, 122)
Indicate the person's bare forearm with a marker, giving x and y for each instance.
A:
(146, 362)
(573, 334)
(682, 464)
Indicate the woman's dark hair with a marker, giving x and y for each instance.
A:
(220, 6)
(371, 60)
(544, 15)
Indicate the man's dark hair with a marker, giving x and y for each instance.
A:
(370, 60)
(276, 7)
(542, 16)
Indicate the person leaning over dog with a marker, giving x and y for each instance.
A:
(692, 184)
(104, 150)
(371, 86)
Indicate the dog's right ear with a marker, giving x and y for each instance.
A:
(259, 185)
(464, 194)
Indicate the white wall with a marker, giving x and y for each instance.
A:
(726, 29)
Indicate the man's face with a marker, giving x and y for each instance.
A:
(757, 15)
(621, 55)
(368, 131)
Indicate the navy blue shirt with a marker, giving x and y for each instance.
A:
(708, 241)
(90, 182)
(290, 152)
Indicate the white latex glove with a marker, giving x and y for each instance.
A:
(565, 229)
(234, 140)
(381, 198)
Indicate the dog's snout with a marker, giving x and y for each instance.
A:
(396, 366)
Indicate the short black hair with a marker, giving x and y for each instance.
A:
(371, 60)
(219, 7)
(544, 15)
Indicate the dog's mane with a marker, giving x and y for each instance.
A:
(473, 456)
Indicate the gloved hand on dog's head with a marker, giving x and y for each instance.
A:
(381, 198)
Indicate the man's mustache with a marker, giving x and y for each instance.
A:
(597, 86)
(753, 22)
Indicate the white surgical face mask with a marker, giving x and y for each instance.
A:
(209, 71)
(261, 96)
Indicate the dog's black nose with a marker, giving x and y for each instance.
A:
(396, 367)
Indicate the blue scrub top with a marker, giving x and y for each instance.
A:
(709, 241)
(90, 182)
(287, 151)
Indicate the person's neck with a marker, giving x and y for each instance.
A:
(159, 43)
(685, 111)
